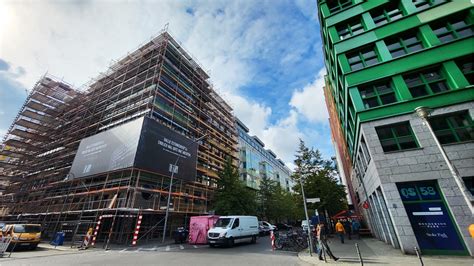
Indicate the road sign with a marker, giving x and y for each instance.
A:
(365, 205)
(313, 200)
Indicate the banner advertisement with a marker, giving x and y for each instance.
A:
(143, 143)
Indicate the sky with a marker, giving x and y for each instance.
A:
(264, 58)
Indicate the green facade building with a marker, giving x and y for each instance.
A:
(384, 59)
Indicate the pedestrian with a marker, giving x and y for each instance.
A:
(356, 228)
(348, 228)
(323, 246)
(340, 230)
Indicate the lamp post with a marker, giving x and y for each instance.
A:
(173, 170)
(307, 219)
(424, 113)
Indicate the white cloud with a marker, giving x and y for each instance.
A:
(254, 115)
(309, 101)
(77, 40)
(283, 137)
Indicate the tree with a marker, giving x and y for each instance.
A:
(275, 204)
(319, 179)
(232, 196)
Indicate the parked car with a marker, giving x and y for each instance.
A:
(284, 227)
(265, 227)
(231, 229)
(23, 235)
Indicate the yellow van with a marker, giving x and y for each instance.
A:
(23, 235)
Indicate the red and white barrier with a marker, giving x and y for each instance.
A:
(137, 230)
(272, 238)
(96, 231)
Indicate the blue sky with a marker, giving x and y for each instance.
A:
(264, 57)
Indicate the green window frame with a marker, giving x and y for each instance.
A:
(396, 137)
(455, 27)
(338, 5)
(387, 13)
(425, 4)
(377, 94)
(403, 44)
(350, 28)
(362, 58)
(453, 127)
(466, 65)
(426, 82)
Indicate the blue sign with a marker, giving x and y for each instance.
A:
(433, 227)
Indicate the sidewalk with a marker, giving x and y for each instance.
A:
(375, 252)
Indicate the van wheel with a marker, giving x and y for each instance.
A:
(254, 240)
(230, 242)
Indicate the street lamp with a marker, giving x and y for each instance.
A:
(173, 170)
(424, 113)
(307, 219)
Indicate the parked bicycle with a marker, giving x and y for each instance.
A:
(293, 240)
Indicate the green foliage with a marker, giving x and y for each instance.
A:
(275, 204)
(319, 179)
(232, 196)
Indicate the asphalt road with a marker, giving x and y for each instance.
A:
(189, 255)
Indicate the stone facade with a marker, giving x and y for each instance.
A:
(391, 223)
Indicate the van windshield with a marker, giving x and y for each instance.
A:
(223, 222)
(24, 228)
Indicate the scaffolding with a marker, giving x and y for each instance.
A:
(159, 80)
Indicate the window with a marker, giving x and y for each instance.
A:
(377, 94)
(347, 29)
(426, 82)
(469, 182)
(425, 4)
(404, 44)
(456, 27)
(467, 67)
(362, 58)
(387, 13)
(337, 5)
(453, 128)
(396, 137)
(365, 149)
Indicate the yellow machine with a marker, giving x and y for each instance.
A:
(23, 235)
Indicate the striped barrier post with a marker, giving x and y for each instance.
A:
(137, 229)
(96, 231)
(272, 238)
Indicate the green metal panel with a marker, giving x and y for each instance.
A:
(432, 101)
(428, 37)
(353, 11)
(401, 88)
(384, 54)
(367, 21)
(413, 61)
(454, 75)
(407, 7)
(443, 10)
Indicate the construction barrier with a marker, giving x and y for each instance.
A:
(4, 242)
(272, 238)
(87, 239)
(137, 230)
(97, 227)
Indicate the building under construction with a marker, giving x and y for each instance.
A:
(73, 157)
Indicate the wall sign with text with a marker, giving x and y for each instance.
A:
(428, 214)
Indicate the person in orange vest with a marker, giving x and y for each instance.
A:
(340, 230)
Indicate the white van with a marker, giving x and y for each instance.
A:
(231, 229)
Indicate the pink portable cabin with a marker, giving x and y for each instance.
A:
(198, 227)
